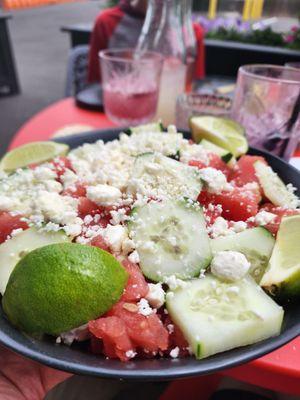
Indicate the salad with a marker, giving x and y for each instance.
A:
(148, 246)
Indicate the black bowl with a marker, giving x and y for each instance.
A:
(77, 360)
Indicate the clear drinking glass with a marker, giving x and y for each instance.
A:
(267, 103)
(130, 84)
(193, 104)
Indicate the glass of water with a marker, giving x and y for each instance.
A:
(267, 104)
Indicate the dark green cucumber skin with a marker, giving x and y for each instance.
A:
(227, 157)
(288, 291)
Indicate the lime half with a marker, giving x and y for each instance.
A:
(283, 275)
(32, 153)
(223, 132)
(58, 287)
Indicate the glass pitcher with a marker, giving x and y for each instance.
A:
(190, 43)
(163, 32)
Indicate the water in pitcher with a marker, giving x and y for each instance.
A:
(172, 84)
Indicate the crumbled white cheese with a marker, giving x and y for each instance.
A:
(144, 307)
(73, 229)
(164, 177)
(264, 217)
(219, 228)
(134, 257)
(69, 179)
(56, 208)
(174, 353)
(130, 353)
(127, 246)
(115, 235)
(194, 152)
(215, 180)
(88, 219)
(118, 216)
(50, 227)
(156, 295)
(53, 186)
(44, 173)
(103, 195)
(79, 334)
(239, 226)
(230, 265)
(175, 283)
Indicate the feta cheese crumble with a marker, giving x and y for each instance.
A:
(264, 217)
(130, 353)
(175, 283)
(115, 235)
(144, 307)
(215, 180)
(174, 353)
(103, 195)
(156, 295)
(134, 257)
(230, 265)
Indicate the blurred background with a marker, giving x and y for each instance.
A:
(40, 34)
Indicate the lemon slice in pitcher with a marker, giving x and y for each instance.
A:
(223, 132)
(32, 153)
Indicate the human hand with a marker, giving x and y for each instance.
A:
(23, 379)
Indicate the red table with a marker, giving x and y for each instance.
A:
(278, 371)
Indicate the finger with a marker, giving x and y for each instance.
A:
(52, 377)
(23, 374)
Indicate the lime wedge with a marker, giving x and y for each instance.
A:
(223, 132)
(32, 153)
(282, 277)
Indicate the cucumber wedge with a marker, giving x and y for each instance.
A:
(283, 275)
(171, 239)
(154, 127)
(226, 156)
(256, 244)
(215, 316)
(15, 248)
(273, 187)
(155, 175)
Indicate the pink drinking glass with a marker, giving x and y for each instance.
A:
(267, 103)
(130, 83)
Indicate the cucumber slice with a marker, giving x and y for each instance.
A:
(273, 187)
(155, 175)
(171, 239)
(154, 127)
(15, 248)
(215, 316)
(226, 156)
(256, 244)
(283, 275)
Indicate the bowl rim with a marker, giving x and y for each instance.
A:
(135, 370)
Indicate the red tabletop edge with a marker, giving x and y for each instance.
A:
(62, 113)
